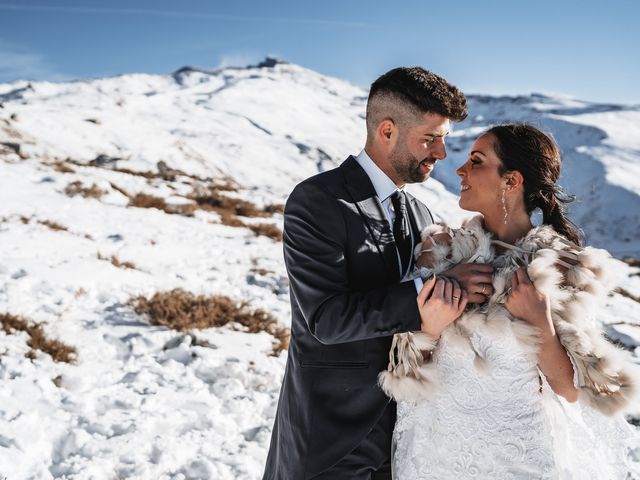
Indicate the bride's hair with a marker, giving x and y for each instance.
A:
(535, 155)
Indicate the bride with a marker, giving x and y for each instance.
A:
(524, 385)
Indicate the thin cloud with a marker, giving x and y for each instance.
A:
(176, 13)
(18, 63)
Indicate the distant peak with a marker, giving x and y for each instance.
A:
(269, 62)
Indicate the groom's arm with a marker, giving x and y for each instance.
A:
(315, 238)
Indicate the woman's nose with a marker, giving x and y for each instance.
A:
(460, 171)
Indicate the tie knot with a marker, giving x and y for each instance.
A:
(398, 200)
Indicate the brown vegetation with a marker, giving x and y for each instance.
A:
(59, 351)
(182, 310)
(143, 200)
(76, 188)
(117, 263)
(56, 227)
(211, 198)
(266, 229)
(62, 167)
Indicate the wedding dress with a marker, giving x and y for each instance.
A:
(503, 424)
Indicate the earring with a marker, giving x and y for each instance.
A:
(504, 205)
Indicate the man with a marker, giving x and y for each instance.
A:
(349, 235)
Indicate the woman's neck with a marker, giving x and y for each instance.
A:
(517, 226)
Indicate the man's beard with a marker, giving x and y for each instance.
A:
(407, 166)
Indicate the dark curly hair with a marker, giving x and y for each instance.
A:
(421, 91)
(525, 148)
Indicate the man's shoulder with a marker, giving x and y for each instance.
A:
(328, 181)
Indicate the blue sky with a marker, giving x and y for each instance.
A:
(580, 48)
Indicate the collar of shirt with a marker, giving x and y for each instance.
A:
(382, 184)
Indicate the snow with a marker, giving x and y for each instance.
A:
(146, 402)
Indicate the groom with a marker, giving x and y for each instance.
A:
(349, 235)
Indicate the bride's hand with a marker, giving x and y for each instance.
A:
(528, 304)
(440, 302)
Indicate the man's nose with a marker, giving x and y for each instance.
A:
(440, 150)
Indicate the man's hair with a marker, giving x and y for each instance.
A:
(405, 94)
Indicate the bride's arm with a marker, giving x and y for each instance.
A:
(557, 368)
(529, 305)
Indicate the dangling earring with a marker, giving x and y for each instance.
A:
(504, 205)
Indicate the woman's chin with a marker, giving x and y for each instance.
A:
(464, 205)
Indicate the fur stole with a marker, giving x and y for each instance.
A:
(605, 375)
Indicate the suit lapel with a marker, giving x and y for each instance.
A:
(419, 217)
(370, 208)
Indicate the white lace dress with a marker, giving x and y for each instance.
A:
(503, 422)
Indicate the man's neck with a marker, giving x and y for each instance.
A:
(383, 164)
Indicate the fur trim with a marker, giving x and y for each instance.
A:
(408, 376)
(573, 278)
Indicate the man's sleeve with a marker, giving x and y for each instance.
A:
(315, 237)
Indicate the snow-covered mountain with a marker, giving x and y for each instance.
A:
(81, 162)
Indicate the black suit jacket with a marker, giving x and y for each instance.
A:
(346, 303)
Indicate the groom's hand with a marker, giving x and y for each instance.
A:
(474, 278)
(440, 302)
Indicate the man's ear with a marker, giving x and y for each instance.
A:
(387, 131)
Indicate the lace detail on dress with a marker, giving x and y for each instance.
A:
(496, 424)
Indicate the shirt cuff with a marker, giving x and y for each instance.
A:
(418, 283)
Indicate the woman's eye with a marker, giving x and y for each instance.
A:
(475, 162)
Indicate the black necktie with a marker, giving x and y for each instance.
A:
(401, 229)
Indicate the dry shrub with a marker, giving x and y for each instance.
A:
(145, 174)
(212, 199)
(117, 263)
(230, 220)
(56, 227)
(62, 167)
(274, 208)
(182, 310)
(266, 229)
(230, 209)
(76, 188)
(142, 200)
(25, 220)
(59, 351)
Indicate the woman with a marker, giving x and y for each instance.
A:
(524, 385)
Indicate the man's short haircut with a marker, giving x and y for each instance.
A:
(405, 94)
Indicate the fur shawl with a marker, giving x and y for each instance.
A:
(605, 375)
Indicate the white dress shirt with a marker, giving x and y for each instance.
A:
(384, 188)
